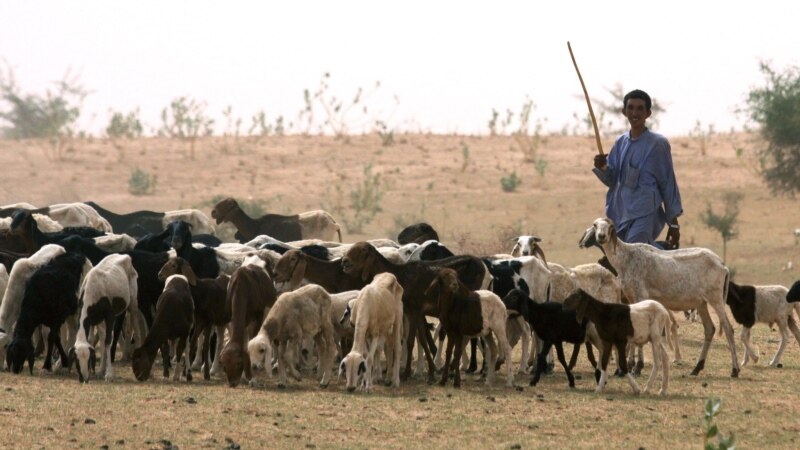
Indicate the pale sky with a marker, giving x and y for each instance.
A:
(448, 63)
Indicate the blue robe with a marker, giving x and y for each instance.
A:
(642, 194)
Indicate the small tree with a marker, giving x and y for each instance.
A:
(724, 223)
(186, 119)
(776, 109)
(124, 125)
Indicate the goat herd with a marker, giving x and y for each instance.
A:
(81, 277)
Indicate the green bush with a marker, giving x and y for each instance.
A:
(364, 201)
(510, 182)
(141, 182)
(124, 125)
(776, 109)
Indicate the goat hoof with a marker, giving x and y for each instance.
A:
(281, 386)
(735, 372)
(253, 383)
(323, 386)
(779, 366)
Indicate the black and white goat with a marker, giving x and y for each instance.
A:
(108, 290)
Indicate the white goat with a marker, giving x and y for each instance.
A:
(44, 223)
(528, 246)
(297, 315)
(678, 279)
(200, 222)
(377, 316)
(115, 243)
(78, 215)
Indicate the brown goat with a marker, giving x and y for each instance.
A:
(295, 265)
(466, 313)
(210, 307)
(174, 317)
(414, 277)
(250, 292)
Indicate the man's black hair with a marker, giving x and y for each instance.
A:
(641, 95)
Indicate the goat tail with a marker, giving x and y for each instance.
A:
(339, 232)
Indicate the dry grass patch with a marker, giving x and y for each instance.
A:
(759, 408)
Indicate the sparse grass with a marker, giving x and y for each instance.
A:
(760, 409)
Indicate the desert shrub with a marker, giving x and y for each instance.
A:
(340, 116)
(526, 140)
(703, 135)
(385, 133)
(361, 204)
(541, 166)
(464, 156)
(141, 182)
(126, 126)
(510, 182)
(775, 107)
(185, 119)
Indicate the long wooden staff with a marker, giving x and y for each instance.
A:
(588, 102)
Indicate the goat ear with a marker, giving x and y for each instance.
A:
(538, 251)
(515, 249)
(612, 232)
(368, 263)
(298, 273)
(588, 239)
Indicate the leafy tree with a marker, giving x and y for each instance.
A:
(124, 125)
(52, 115)
(186, 120)
(776, 108)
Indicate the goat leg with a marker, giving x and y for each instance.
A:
(563, 361)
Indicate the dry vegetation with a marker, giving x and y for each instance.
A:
(423, 179)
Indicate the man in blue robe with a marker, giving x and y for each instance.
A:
(643, 194)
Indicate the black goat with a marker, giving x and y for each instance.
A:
(174, 320)
(554, 325)
(50, 298)
(417, 233)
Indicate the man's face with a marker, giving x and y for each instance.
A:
(636, 112)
